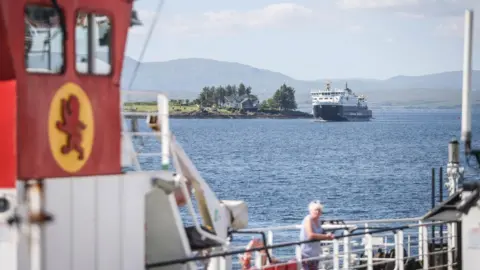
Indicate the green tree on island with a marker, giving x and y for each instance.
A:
(282, 103)
(217, 95)
(269, 104)
(242, 90)
(283, 99)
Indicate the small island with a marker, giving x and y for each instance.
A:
(229, 102)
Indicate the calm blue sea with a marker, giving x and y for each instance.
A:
(362, 170)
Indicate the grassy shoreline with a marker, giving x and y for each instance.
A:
(193, 111)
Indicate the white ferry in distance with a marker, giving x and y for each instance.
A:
(339, 105)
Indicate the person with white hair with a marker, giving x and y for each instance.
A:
(312, 230)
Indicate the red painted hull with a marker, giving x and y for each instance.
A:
(46, 151)
(8, 153)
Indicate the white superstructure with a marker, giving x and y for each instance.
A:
(344, 97)
(339, 105)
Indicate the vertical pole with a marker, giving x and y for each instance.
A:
(162, 103)
(433, 189)
(395, 248)
(440, 200)
(91, 43)
(425, 248)
(466, 108)
(368, 248)
(346, 250)
(433, 205)
(369, 251)
(298, 255)
(454, 175)
(270, 242)
(454, 236)
(49, 61)
(420, 241)
(449, 246)
(399, 237)
(467, 81)
(440, 184)
(336, 257)
(409, 245)
(34, 192)
(458, 226)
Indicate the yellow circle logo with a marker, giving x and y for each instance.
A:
(70, 127)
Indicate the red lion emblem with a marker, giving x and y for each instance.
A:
(72, 126)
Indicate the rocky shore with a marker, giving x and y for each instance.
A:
(194, 112)
(238, 115)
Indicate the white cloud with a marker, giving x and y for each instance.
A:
(356, 28)
(389, 40)
(411, 15)
(449, 13)
(229, 21)
(413, 8)
(270, 15)
(452, 26)
(376, 3)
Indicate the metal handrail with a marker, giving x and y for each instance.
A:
(348, 222)
(396, 230)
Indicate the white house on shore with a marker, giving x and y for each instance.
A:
(241, 102)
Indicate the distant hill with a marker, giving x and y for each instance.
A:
(184, 78)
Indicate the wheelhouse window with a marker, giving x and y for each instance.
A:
(92, 44)
(44, 40)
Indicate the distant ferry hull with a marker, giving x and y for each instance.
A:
(340, 113)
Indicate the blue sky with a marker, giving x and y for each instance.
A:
(310, 39)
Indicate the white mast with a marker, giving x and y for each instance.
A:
(466, 135)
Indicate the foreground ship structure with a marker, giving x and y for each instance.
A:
(339, 105)
(67, 203)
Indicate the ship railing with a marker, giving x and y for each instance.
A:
(354, 247)
(430, 245)
(138, 141)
